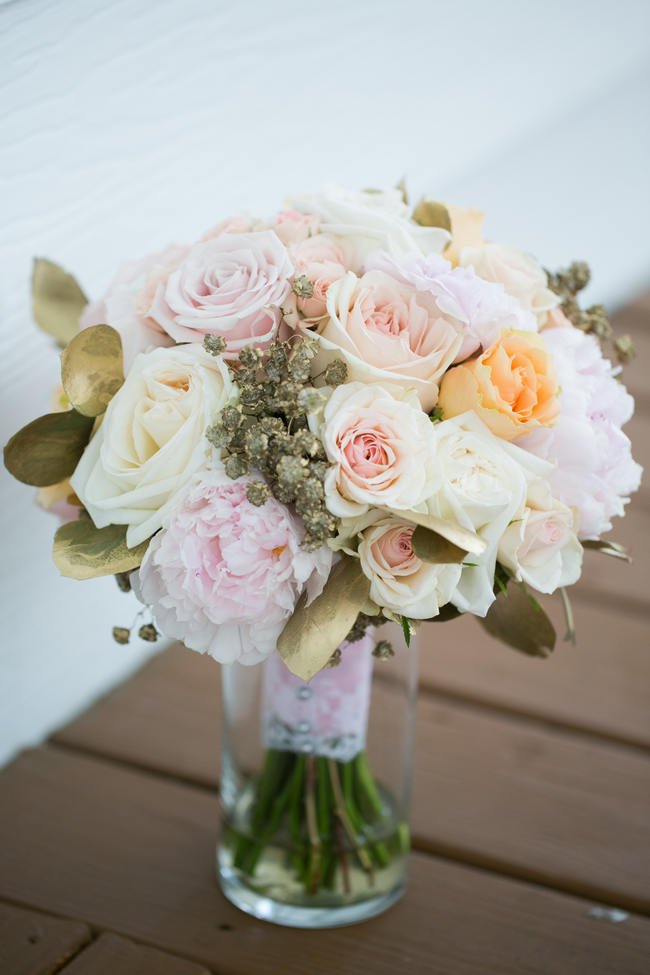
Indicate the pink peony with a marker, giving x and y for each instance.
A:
(230, 286)
(126, 304)
(224, 575)
(479, 309)
(595, 471)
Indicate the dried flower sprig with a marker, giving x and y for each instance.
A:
(268, 430)
(567, 283)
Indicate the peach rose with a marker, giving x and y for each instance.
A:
(293, 227)
(388, 331)
(318, 262)
(512, 387)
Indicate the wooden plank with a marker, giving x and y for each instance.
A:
(36, 944)
(616, 584)
(134, 854)
(634, 319)
(112, 955)
(600, 685)
(488, 787)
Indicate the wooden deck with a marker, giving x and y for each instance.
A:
(531, 809)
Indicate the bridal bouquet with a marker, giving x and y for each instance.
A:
(300, 427)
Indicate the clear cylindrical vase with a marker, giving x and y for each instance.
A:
(316, 784)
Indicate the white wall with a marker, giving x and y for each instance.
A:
(127, 124)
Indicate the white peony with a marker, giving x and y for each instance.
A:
(371, 221)
(152, 438)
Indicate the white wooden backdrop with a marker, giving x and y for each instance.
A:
(127, 123)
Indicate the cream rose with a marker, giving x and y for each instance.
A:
(230, 286)
(388, 331)
(371, 221)
(541, 545)
(381, 446)
(483, 485)
(399, 580)
(152, 438)
(518, 272)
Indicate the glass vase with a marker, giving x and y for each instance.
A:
(316, 784)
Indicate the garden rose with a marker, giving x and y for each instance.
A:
(388, 331)
(541, 546)
(371, 221)
(230, 286)
(478, 309)
(152, 438)
(512, 387)
(518, 272)
(399, 580)
(224, 575)
(483, 484)
(125, 306)
(382, 447)
(293, 227)
(594, 471)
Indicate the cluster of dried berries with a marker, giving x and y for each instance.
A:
(567, 283)
(148, 632)
(268, 430)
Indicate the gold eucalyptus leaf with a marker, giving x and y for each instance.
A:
(607, 548)
(451, 530)
(516, 620)
(57, 300)
(92, 369)
(48, 449)
(82, 551)
(314, 632)
(430, 213)
(432, 547)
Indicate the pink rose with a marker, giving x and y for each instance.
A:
(293, 227)
(319, 261)
(557, 319)
(389, 332)
(381, 446)
(125, 306)
(240, 224)
(224, 575)
(230, 286)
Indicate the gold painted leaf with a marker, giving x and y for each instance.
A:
(92, 370)
(522, 624)
(57, 300)
(607, 547)
(451, 530)
(48, 449)
(82, 551)
(430, 213)
(313, 633)
(432, 547)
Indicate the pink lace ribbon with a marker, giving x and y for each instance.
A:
(328, 716)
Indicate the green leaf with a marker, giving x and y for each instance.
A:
(57, 300)
(513, 619)
(431, 547)
(82, 551)
(430, 213)
(607, 547)
(48, 449)
(406, 629)
(313, 633)
(92, 370)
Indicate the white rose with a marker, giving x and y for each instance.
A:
(152, 438)
(484, 484)
(399, 580)
(371, 221)
(518, 272)
(382, 447)
(541, 545)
